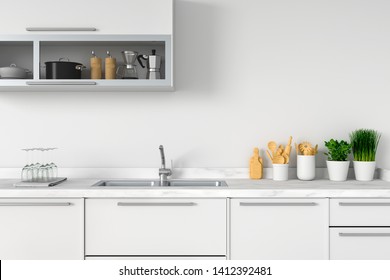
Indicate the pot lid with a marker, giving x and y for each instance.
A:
(63, 60)
(13, 66)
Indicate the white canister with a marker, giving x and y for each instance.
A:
(280, 172)
(306, 167)
(364, 170)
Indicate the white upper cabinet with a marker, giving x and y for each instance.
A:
(43, 32)
(111, 17)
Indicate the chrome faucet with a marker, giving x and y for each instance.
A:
(163, 172)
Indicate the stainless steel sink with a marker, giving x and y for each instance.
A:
(156, 183)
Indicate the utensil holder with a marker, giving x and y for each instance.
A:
(280, 172)
(306, 167)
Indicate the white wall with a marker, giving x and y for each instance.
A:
(247, 72)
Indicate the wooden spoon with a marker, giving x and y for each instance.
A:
(296, 149)
(272, 146)
(269, 155)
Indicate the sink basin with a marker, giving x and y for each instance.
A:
(156, 183)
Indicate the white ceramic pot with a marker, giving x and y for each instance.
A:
(364, 170)
(306, 167)
(280, 172)
(13, 72)
(337, 170)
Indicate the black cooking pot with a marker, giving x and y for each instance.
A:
(63, 69)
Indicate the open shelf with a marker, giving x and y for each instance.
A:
(19, 53)
(31, 52)
(80, 52)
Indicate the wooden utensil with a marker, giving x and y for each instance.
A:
(256, 165)
(272, 146)
(279, 151)
(289, 141)
(305, 148)
(286, 158)
(296, 149)
(278, 159)
(269, 155)
(315, 150)
(287, 150)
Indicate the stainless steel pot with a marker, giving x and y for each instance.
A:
(13, 72)
(63, 69)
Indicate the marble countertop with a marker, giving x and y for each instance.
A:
(77, 188)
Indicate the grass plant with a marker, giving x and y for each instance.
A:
(364, 144)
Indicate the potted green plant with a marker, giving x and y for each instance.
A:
(337, 162)
(364, 146)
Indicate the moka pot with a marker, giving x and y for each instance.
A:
(153, 63)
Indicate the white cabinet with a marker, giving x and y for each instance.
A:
(360, 229)
(147, 258)
(48, 32)
(279, 229)
(113, 17)
(156, 227)
(360, 212)
(360, 243)
(41, 229)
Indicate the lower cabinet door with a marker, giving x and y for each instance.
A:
(41, 229)
(279, 229)
(156, 227)
(360, 243)
(183, 258)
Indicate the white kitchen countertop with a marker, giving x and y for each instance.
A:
(78, 188)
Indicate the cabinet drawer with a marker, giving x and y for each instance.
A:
(279, 229)
(360, 212)
(164, 227)
(360, 243)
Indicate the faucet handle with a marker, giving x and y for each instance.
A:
(162, 156)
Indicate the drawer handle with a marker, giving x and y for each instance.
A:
(365, 234)
(278, 204)
(60, 83)
(35, 204)
(156, 203)
(44, 29)
(364, 203)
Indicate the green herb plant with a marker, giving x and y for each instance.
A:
(337, 151)
(364, 144)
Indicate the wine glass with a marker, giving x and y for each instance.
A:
(36, 167)
(53, 167)
(27, 171)
(44, 167)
